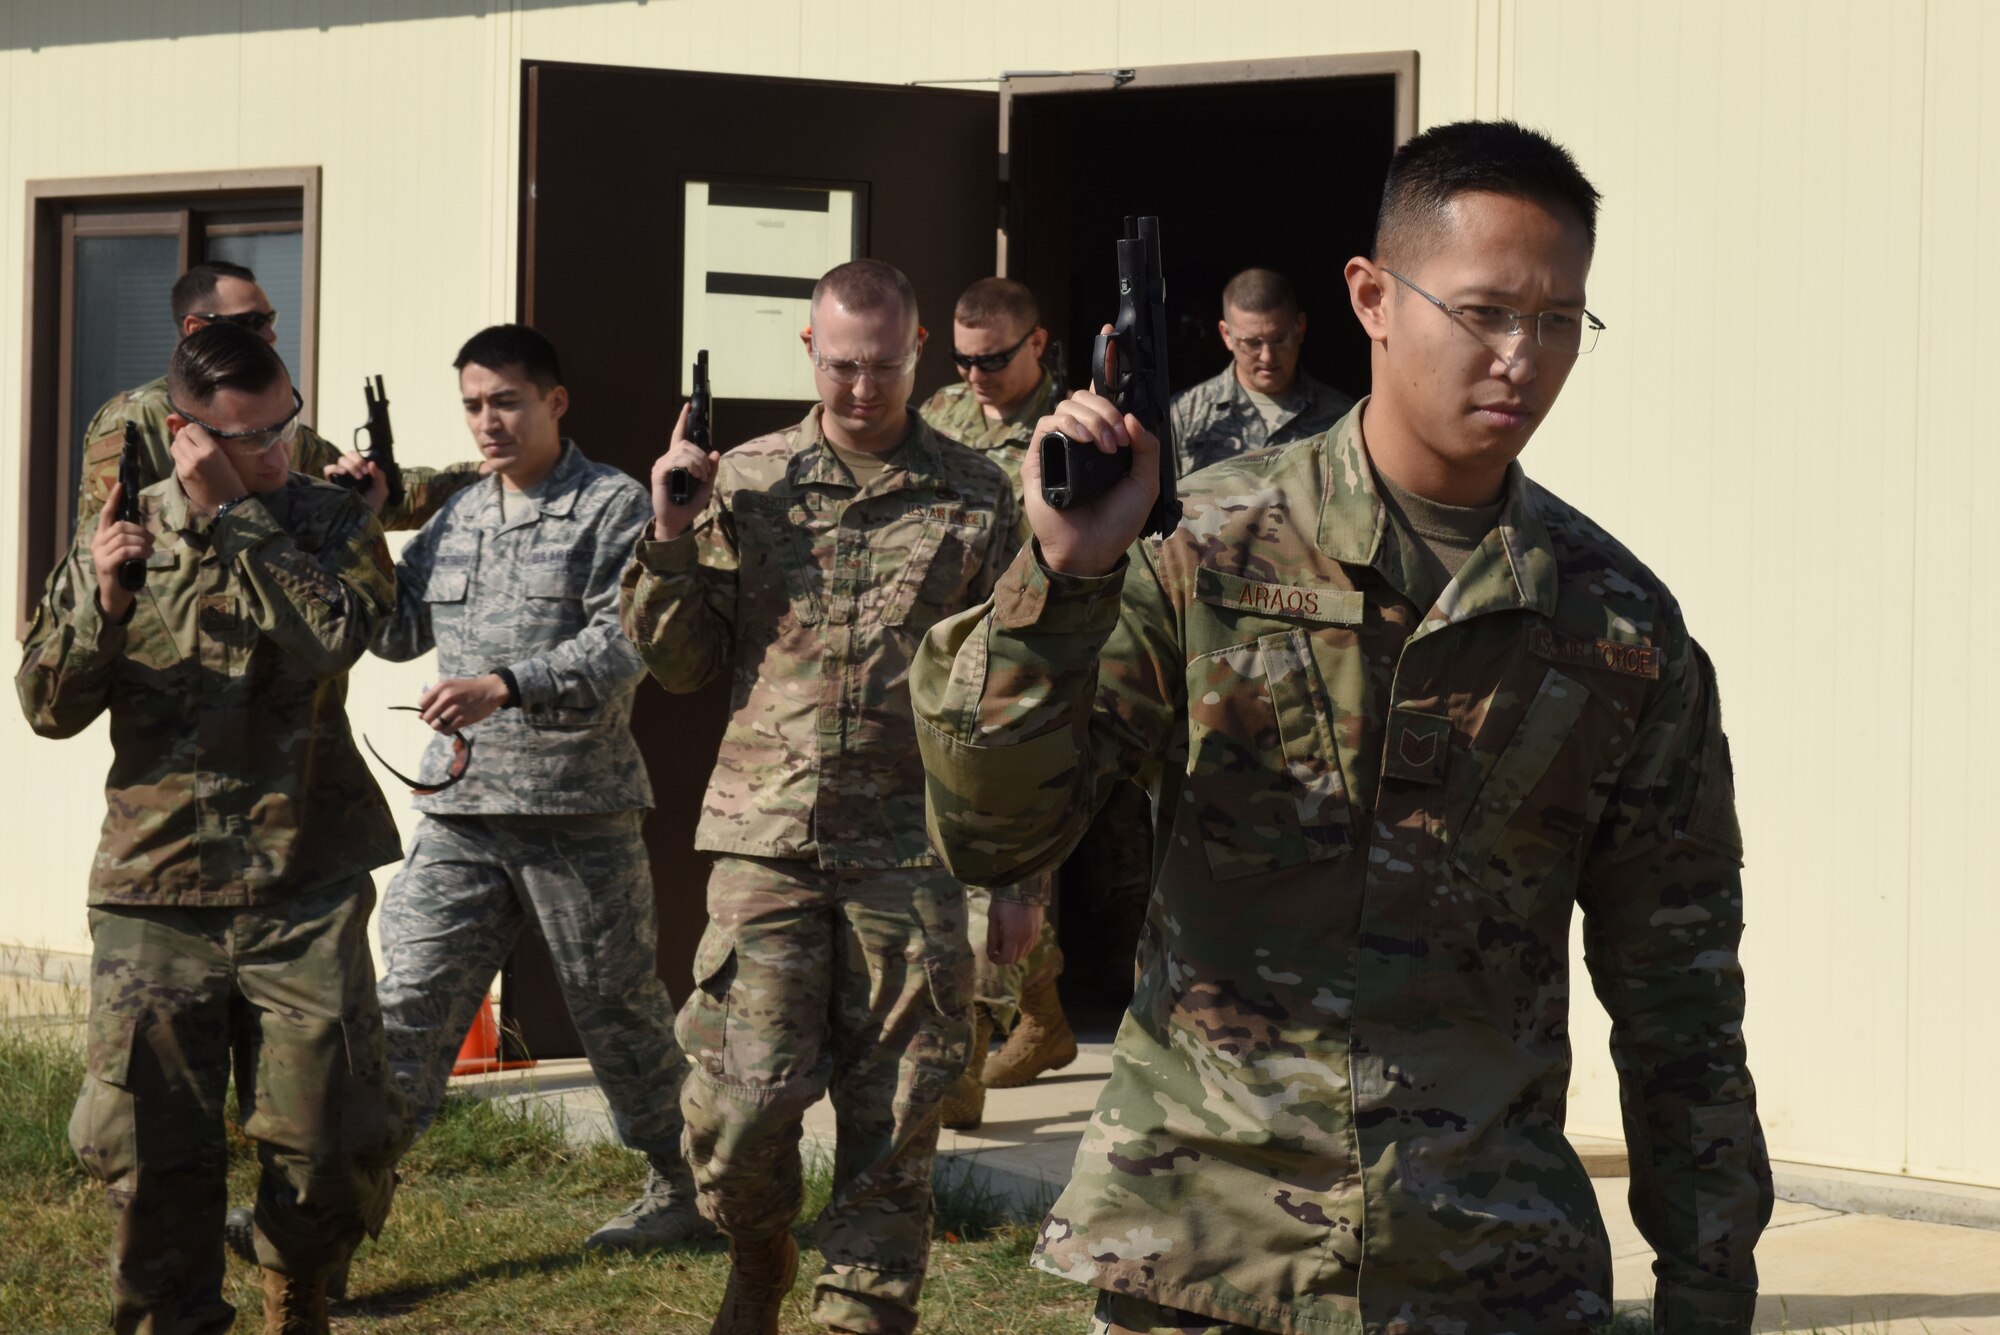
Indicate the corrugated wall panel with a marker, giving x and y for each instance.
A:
(1952, 1080)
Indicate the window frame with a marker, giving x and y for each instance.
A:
(58, 211)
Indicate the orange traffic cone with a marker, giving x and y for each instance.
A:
(480, 1052)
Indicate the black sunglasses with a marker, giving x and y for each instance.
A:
(461, 760)
(989, 362)
(255, 321)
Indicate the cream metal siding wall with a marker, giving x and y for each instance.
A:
(1785, 419)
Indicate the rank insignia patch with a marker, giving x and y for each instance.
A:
(1417, 747)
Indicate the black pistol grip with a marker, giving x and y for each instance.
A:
(1076, 472)
(680, 486)
(132, 575)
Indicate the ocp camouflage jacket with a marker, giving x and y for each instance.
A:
(813, 596)
(234, 779)
(1216, 420)
(1337, 1101)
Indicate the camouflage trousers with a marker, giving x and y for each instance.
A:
(1125, 1314)
(470, 886)
(286, 994)
(809, 982)
(997, 987)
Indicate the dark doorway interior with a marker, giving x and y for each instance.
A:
(1284, 175)
(1281, 174)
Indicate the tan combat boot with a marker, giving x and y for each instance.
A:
(293, 1306)
(761, 1271)
(1041, 1040)
(965, 1102)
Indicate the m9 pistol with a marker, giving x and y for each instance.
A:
(381, 447)
(1129, 367)
(131, 572)
(680, 482)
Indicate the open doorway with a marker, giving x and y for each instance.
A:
(1276, 164)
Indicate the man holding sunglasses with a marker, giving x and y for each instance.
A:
(1262, 398)
(230, 893)
(515, 584)
(1405, 715)
(806, 568)
(218, 292)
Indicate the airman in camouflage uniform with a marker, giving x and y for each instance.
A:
(515, 584)
(997, 346)
(1261, 399)
(231, 292)
(835, 956)
(230, 893)
(1388, 769)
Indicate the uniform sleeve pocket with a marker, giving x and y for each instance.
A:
(1264, 780)
(1515, 837)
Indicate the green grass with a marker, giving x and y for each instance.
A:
(484, 1236)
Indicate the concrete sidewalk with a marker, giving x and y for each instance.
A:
(1821, 1268)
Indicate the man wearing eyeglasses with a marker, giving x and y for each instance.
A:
(218, 292)
(230, 892)
(1262, 398)
(806, 567)
(1403, 713)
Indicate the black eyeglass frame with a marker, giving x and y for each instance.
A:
(990, 362)
(255, 321)
(1594, 326)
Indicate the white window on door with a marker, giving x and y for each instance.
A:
(753, 253)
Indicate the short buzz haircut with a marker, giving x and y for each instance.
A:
(1494, 157)
(867, 285)
(500, 346)
(218, 357)
(194, 291)
(1260, 292)
(997, 301)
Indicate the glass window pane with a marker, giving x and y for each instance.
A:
(753, 254)
(124, 330)
(277, 260)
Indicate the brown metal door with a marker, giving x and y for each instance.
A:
(606, 157)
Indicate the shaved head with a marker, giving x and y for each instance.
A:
(867, 285)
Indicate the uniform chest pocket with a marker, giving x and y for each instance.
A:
(1524, 826)
(1264, 782)
(936, 567)
(447, 586)
(774, 532)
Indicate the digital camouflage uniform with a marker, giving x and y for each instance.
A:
(424, 489)
(230, 891)
(1337, 1101)
(835, 955)
(1217, 420)
(544, 827)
